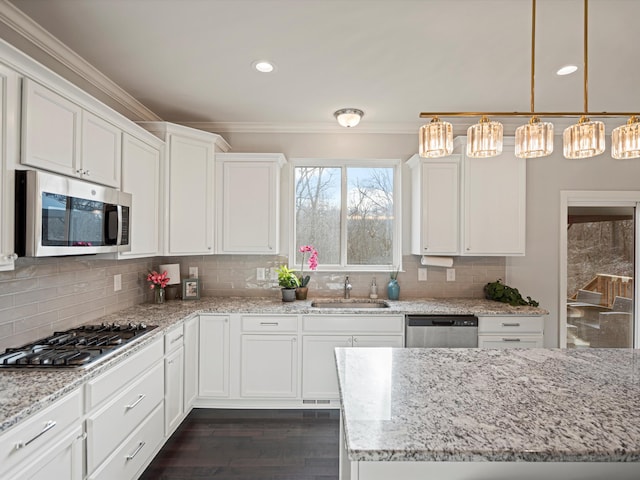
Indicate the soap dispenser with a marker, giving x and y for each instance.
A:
(373, 292)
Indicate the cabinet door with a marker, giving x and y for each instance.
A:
(101, 151)
(394, 341)
(141, 178)
(50, 130)
(190, 196)
(213, 372)
(190, 362)
(249, 222)
(494, 205)
(63, 460)
(174, 390)
(510, 341)
(269, 366)
(440, 207)
(319, 376)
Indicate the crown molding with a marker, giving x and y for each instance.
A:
(320, 127)
(32, 32)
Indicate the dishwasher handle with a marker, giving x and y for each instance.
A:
(443, 323)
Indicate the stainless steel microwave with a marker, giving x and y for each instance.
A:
(56, 216)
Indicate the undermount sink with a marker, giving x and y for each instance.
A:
(350, 303)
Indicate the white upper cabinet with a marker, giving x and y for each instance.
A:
(189, 187)
(141, 177)
(248, 193)
(494, 204)
(60, 136)
(435, 186)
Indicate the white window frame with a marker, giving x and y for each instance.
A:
(396, 164)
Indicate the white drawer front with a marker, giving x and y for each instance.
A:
(269, 323)
(37, 432)
(107, 428)
(135, 451)
(103, 387)
(174, 339)
(511, 324)
(510, 341)
(348, 323)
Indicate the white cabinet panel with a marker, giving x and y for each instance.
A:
(269, 366)
(101, 150)
(214, 356)
(174, 390)
(319, 377)
(391, 341)
(141, 178)
(190, 362)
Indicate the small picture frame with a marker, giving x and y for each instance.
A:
(191, 289)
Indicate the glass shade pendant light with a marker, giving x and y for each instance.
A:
(625, 140)
(436, 139)
(585, 139)
(484, 139)
(535, 139)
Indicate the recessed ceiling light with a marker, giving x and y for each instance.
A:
(567, 70)
(263, 66)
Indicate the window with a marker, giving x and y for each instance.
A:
(349, 211)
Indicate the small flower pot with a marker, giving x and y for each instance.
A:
(288, 294)
(301, 293)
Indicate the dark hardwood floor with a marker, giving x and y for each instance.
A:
(251, 445)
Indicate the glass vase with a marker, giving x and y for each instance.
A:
(393, 290)
(160, 295)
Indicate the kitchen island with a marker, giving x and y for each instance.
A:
(489, 414)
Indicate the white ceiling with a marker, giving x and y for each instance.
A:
(191, 60)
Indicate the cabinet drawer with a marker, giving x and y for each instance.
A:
(269, 323)
(346, 323)
(173, 339)
(510, 341)
(511, 324)
(103, 387)
(136, 451)
(36, 433)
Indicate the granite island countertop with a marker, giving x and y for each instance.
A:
(23, 392)
(477, 405)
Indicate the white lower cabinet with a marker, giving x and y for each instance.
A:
(174, 389)
(190, 362)
(213, 374)
(513, 331)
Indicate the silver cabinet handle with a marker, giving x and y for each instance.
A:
(78, 171)
(47, 426)
(269, 324)
(294, 339)
(140, 397)
(504, 324)
(132, 455)
(87, 173)
(177, 338)
(510, 339)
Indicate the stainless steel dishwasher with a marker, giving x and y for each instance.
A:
(445, 331)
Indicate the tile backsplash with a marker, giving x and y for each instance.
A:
(46, 294)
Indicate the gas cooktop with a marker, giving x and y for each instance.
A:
(76, 347)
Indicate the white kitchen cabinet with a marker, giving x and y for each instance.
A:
(174, 389)
(58, 135)
(513, 331)
(48, 445)
(190, 362)
(213, 374)
(141, 177)
(435, 205)
(269, 366)
(248, 202)
(494, 204)
(9, 154)
(323, 333)
(189, 187)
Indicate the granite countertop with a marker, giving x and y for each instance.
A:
(23, 392)
(535, 405)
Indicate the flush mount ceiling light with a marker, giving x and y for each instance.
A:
(348, 117)
(263, 66)
(535, 139)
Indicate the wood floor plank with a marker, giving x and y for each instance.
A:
(223, 444)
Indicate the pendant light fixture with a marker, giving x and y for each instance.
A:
(435, 139)
(535, 139)
(584, 139)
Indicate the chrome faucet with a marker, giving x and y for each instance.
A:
(347, 287)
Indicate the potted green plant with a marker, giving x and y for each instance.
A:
(288, 282)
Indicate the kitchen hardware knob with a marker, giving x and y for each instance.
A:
(355, 340)
(468, 248)
(79, 171)
(140, 397)
(294, 339)
(47, 426)
(132, 455)
(86, 172)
